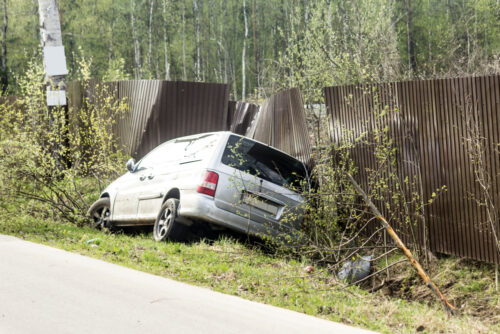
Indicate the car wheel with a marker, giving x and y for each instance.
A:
(165, 225)
(100, 213)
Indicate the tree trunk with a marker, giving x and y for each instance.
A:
(345, 26)
(4, 78)
(51, 36)
(111, 40)
(330, 25)
(111, 47)
(197, 32)
(412, 65)
(150, 38)
(217, 35)
(36, 23)
(233, 77)
(55, 73)
(255, 44)
(184, 75)
(243, 55)
(206, 41)
(225, 50)
(429, 31)
(137, 49)
(165, 45)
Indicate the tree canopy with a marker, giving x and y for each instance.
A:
(261, 46)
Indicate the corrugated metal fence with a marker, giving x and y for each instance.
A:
(427, 121)
(281, 123)
(158, 110)
(162, 110)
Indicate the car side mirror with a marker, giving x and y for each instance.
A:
(131, 165)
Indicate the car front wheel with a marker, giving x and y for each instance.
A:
(165, 225)
(100, 213)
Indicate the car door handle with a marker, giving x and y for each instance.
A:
(142, 177)
(151, 176)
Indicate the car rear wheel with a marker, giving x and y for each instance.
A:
(165, 225)
(100, 213)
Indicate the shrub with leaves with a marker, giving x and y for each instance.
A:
(52, 158)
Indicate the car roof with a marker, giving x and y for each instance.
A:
(199, 135)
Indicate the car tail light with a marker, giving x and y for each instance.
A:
(208, 183)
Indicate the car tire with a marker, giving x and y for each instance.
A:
(100, 213)
(166, 228)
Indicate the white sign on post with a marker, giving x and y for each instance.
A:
(56, 97)
(54, 61)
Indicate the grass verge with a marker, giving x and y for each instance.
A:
(233, 268)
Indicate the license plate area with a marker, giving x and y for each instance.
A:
(260, 203)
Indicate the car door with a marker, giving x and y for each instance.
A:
(151, 194)
(138, 199)
(127, 196)
(152, 185)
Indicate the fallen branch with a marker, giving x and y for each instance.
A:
(450, 308)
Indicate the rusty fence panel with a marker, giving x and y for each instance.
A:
(427, 123)
(281, 123)
(240, 116)
(161, 110)
(184, 108)
(157, 110)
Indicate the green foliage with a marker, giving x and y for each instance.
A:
(333, 217)
(46, 154)
(329, 45)
(116, 71)
(309, 44)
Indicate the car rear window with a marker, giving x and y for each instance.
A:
(263, 161)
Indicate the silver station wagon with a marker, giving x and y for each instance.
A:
(216, 180)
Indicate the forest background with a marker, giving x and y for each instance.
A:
(259, 47)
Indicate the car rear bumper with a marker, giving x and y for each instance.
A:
(202, 207)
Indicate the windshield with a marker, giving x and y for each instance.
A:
(263, 161)
(180, 150)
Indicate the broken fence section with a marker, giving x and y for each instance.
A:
(161, 110)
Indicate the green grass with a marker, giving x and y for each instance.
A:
(231, 267)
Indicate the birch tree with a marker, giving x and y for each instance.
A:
(255, 43)
(150, 38)
(184, 74)
(165, 43)
(412, 65)
(51, 38)
(197, 32)
(4, 78)
(209, 40)
(137, 48)
(243, 55)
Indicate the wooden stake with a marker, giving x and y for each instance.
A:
(450, 308)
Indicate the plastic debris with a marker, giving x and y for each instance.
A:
(353, 271)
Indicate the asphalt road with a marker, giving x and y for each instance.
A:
(47, 290)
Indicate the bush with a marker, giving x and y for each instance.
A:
(53, 162)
